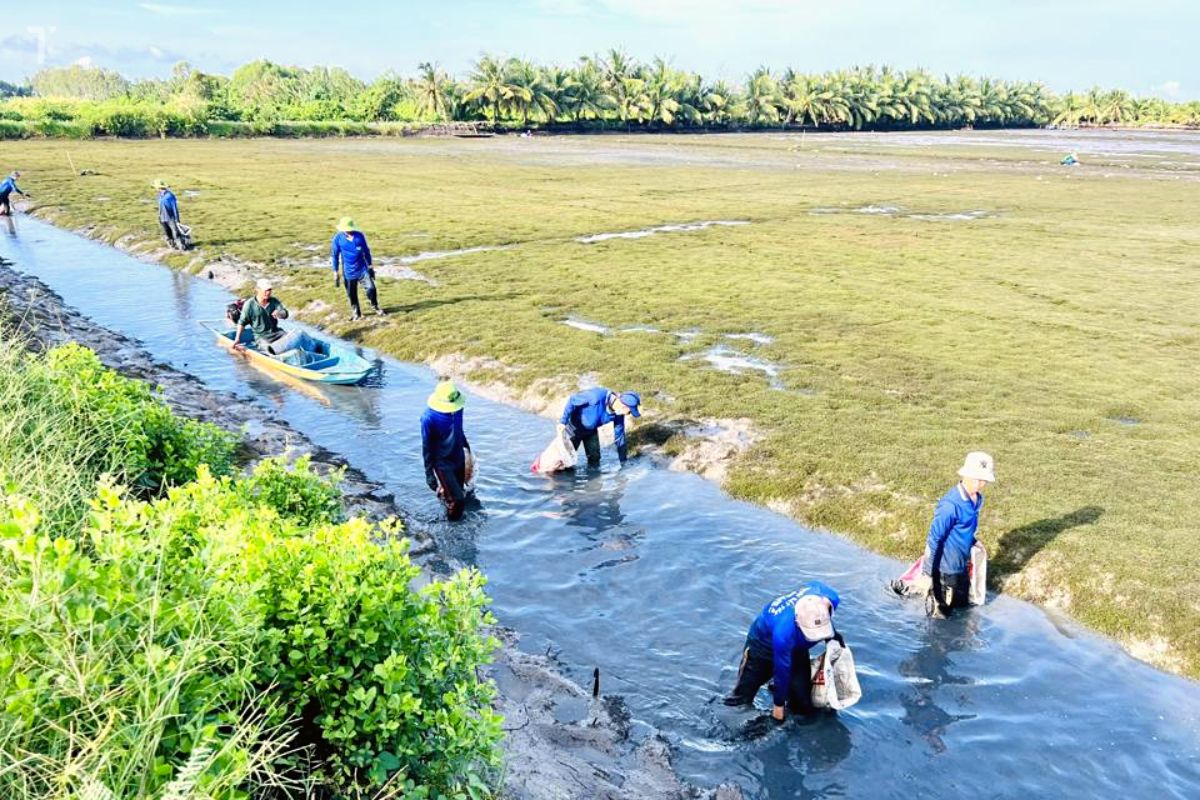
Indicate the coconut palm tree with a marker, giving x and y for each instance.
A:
(762, 98)
(529, 91)
(489, 85)
(586, 93)
(433, 91)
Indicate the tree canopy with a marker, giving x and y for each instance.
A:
(612, 90)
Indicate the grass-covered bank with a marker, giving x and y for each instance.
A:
(230, 636)
(1037, 331)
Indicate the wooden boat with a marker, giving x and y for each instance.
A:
(325, 363)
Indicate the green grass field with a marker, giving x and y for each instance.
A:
(1058, 332)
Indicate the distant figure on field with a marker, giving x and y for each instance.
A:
(168, 216)
(587, 411)
(6, 190)
(952, 533)
(349, 249)
(777, 649)
(262, 314)
(445, 448)
(1071, 159)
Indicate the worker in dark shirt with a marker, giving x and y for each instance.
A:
(444, 447)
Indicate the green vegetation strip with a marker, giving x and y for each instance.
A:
(225, 637)
(1058, 332)
(602, 92)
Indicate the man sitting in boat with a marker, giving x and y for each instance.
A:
(262, 313)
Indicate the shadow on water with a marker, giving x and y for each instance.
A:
(1016, 547)
(930, 671)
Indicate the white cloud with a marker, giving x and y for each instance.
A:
(1169, 89)
(156, 52)
(178, 11)
(85, 61)
(567, 8)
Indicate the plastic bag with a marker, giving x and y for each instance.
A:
(913, 584)
(977, 569)
(558, 455)
(835, 680)
(469, 472)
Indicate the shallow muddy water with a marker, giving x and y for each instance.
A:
(653, 577)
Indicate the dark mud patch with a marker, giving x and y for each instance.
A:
(561, 741)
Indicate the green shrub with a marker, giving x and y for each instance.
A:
(126, 665)
(148, 445)
(295, 492)
(386, 672)
(65, 420)
(10, 129)
(160, 631)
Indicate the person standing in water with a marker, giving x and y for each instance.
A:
(7, 188)
(952, 533)
(777, 649)
(444, 447)
(349, 249)
(588, 411)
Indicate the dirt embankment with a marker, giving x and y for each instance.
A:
(561, 741)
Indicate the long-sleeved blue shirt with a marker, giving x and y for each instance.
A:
(352, 251)
(776, 628)
(588, 410)
(442, 440)
(168, 206)
(952, 532)
(9, 186)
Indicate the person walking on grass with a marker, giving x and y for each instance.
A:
(349, 249)
(168, 216)
(777, 648)
(952, 534)
(7, 188)
(444, 447)
(588, 411)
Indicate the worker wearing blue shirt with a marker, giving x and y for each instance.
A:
(777, 648)
(588, 411)
(952, 533)
(168, 216)
(6, 190)
(444, 447)
(349, 249)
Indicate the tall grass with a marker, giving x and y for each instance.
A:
(65, 421)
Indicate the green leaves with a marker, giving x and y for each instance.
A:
(218, 617)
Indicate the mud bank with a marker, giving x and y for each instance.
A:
(561, 741)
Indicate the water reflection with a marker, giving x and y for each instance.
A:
(10, 227)
(930, 670)
(801, 756)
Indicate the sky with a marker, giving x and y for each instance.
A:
(1145, 47)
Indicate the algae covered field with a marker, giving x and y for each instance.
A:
(874, 305)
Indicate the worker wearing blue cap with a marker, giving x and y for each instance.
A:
(587, 411)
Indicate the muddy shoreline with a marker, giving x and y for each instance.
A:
(562, 742)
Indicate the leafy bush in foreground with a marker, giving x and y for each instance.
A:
(65, 420)
(206, 633)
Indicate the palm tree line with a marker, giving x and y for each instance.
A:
(610, 91)
(622, 92)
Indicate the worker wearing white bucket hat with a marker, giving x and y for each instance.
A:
(952, 532)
